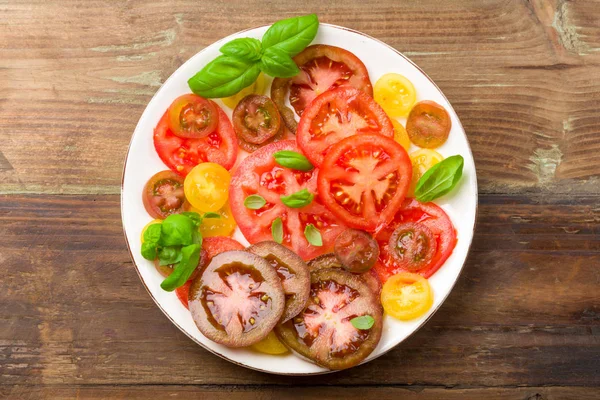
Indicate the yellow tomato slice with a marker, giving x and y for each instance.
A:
(258, 87)
(223, 226)
(154, 221)
(406, 296)
(400, 134)
(422, 160)
(206, 187)
(270, 345)
(395, 94)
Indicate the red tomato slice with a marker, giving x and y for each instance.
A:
(335, 115)
(434, 218)
(192, 116)
(364, 179)
(322, 68)
(182, 293)
(259, 174)
(181, 155)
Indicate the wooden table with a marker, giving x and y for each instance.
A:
(524, 319)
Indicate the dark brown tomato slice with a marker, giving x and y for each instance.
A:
(330, 260)
(336, 115)
(364, 180)
(323, 331)
(356, 250)
(237, 300)
(293, 272)
(256, 119)
(428, 124)
(412, 245)
(282, 134)
(322, 68)
(163, 195)
(193, 117)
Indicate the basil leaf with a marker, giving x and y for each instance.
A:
(197, 237)
(152, 234)
(255, 202)
(278, 63)
(299, 199)
(313, 235)
(177, 230)
(277, 230)
(223, 77)
(149, 251)
(248, 49)
(291, 35)
(194, 216)
(293, 160)
(439, 179)
(169, 255)
(363, 322)
(190, 257)
(211, 215)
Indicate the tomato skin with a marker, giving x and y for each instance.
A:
(347, 112)
(163, 195)
(382, 160)
(428, 124)
(181, 155)
(192, 116)
(435, 219)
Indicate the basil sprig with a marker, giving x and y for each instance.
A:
(439, 179)
(363, 322)
(293, 160)
(299, 199)
(313, 235)
(244, 58)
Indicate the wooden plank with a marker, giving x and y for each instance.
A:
(74, 312)
(76, 76)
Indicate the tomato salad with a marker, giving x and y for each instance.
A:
(338, 213)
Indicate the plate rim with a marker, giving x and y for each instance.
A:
(137, 268)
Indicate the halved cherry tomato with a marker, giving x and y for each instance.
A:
(181, 155)
(400, 135)
(364, 180)
(237, 300)
(260, 174)
(422, 160)
(207, 187)
(406, 296)
(193, 117)
(356, 250)
(222, 226)
(338, 114)
(395, 94)
(282, 134)
(434, 218)
(270, 345)
(322, 68)
(428, 124)
(258, 87)
(412, 245)
(256, 119)
(163, 195)
(323, 332)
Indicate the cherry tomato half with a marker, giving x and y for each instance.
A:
(222, 226)
(412, 245)
(207, 187)
(256, 119)
(356, 250)
(395, 94)
(422, 160)
(164, 195)
(406, 296)
(192, 117)
(400, 135)
(428, 124)
(270, 345)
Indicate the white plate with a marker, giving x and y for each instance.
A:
(142, 162)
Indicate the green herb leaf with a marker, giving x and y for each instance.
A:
(177, 230)
(211, 215)
(277, 230)
(363, 322)
(152, 234)
(190, 257)
(248, 49)
(276, 62)
(254, 202)
(223, 77)
(149, 251)
(169, 255)
(439, 179)
(197, 237)
(299, 199)
(291, 35)
(194, 216)
(313, 235)
(293, 160)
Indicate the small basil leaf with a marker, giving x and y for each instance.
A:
(169, 255)
(254, 202)
(245, 48)
(439, 179)
(363, 322)
(278, 63)
(190, 257)
(197, 237)
(149, 251)
(177, 230)
(299, 199)
(223, 77)
(291, 35)
(194, 216)
(293, 160)
(211, 215)
(313, 235)
(277, 230)
(152, 234)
